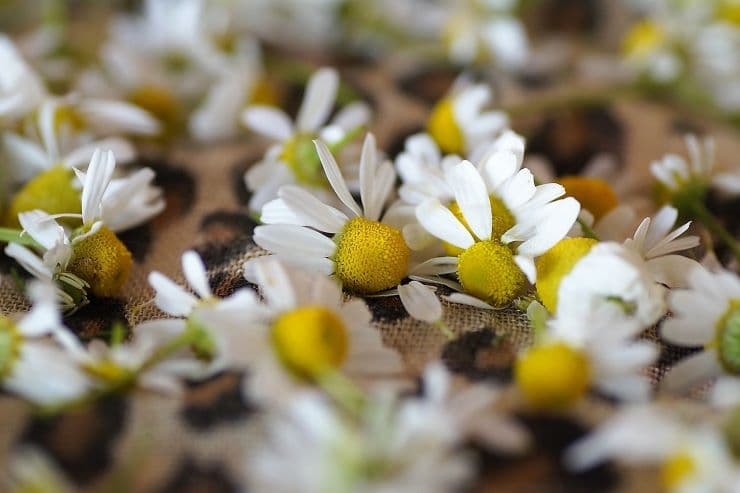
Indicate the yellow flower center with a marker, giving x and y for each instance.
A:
(102, 261)
(444, 129)
(676, 470)
(67, 116)
(553, 376)
(503, 220)
(299, 153)
(265, 93)
(370, 256)
(643, 38)
(51, 191)
(10, 346)
(160, 102)
(727, 338)
(555, 264)
(729, 11)
(487, 271)
(594, 194)
(310, 340)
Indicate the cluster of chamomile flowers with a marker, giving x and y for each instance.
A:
(455, 218)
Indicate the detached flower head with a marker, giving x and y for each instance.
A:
(293, 159)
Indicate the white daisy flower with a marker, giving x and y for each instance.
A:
(692, 457)
(304, 331)
(219, 115)
(422, 169)
(459, 124)
(32, 365)
(689, 180)
(92, 254)
(487, 29)
(366, 254)
(220, 321)
(725, 392)
(21, 89)
(387, 448)
(500, 221)
(468, 412)
(608, 286)
(567, 361)
(293, 159)
(706, 314)
(656, 242)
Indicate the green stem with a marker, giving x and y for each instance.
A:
(346, 139)
(588, 232)
(705, 216)
(9, 235)
(445, 329)
(342, 390)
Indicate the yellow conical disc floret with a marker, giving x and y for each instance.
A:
(444, 129)
(102, 261)
(10, 346)
(310, 340)
(552, 376)
(487, 271)
(299, 153)
(676, 470)
(643, 38)
(503, 220)
(555, 264)
(594, 194)
(729, 11)
(52, 191)
(370, 256)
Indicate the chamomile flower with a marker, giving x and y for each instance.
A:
(469, 412)
(656, 243)
(690, 456)
(32, 365)
(685, 182)
(21, 89)
(387, 448)
(422, 168)
(222, 333)
(293, 159)
(707, 314)
(568, 360)
(305, 332)
(500, 221)
(585, 283)
(92, 253)
(366, 254)
(458, 122)
(485, 30)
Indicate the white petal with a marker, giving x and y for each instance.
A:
(275, 284)
(97, 179)
(195, 273)
(672, 270)
(289, 240)
(122, 149)
(26, 158)
(526, 264)
(170, 297)
(29, 261)
(118, 117)
(558, 217)
(309, 210)
(321, 91)
(472, 197)
(466, 299)
(268, 121)
(439, 221)
(352, 116)
(420, 302)
(368, 169)
(331, 169)
(690, 371)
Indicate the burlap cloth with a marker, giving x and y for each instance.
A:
(149, 443)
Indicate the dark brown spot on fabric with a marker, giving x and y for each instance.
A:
(96, 319)
(80, 441)
(192, 477)
(215, 400)
(479, 355)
